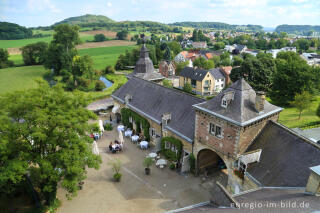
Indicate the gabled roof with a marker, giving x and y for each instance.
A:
(241, 110)
(285, 158)
(153, 100)
(194, 74)
(217, 73)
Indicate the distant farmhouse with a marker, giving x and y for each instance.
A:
(167, 68)
(237, 131)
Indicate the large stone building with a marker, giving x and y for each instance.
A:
(236, 130)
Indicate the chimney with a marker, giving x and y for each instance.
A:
(260, 99)
(313, 184)
(166, 117)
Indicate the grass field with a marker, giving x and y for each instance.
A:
(17, 60)
(23, 42)
(20, 78)
(104, 56)
(289, 116)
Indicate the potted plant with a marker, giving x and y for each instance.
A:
(172, 166)
(147, 162)
(116, 166)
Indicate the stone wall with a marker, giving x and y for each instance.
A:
(313, 184)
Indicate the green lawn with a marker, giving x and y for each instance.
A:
(17, 60)
(104, 56)
(289, 116)
(23, 42)
(20, 78)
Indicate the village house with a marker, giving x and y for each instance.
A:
(236, 48)
(203, 82)
(311, 58)
(200, 45)
(191, 55)
(237, 130)
(274, 52)
(167, 68)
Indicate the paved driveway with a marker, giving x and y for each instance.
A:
(161, 191)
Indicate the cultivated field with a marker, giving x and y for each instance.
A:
(104, 56)
(109, 34)
(105, 44)
(20, 78)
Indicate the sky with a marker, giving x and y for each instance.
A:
(268, 13)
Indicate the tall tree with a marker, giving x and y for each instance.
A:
(293, 76)
(302, 102)
(34, 53)
(48, 130)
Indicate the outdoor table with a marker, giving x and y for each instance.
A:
(128, 133)
(120, 128)
(144, 144)
(152, 155)
(134, 138)
(161, 162)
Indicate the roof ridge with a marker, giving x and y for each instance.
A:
(173, 89)
(305, 139)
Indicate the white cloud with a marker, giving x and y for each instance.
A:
(109, 4)
(299, 1)
(42, 5)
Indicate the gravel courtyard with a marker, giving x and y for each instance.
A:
(161, 191)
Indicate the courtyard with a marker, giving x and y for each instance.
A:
(162, 190)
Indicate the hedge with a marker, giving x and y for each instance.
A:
(167, 152)
(127, 113)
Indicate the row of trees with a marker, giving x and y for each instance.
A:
(282, 78)
(44, 139)
(4, 59)
(62, 57)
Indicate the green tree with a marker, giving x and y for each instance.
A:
(62, 49)
(167, 54)
(219, 45)
(302, 44)
(302, 102)
(237, 61)
(99, 85)
(34, 53)
(257, 72)
(187, 88)
(195, 36)
(48, 130)
(167, 83)
(318, 111)
(99, 37)
(122, 35)
(4, 62)
(293, 76)
(203, 63)
(175, 47)
(180, 66)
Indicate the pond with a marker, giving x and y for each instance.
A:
(106, 82)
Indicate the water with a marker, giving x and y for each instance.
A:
(106, 82)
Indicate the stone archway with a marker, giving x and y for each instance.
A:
(209, 161)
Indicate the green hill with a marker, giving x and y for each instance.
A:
(85, 20)
(219, 26)
(297, 29)
(10, 31)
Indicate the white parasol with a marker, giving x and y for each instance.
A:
(95, 149)
(101, 126)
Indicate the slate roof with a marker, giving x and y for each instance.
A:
(154, 100)
(217, 73)
(269, 200)
(144, 67)
(194, 74)
(241, 110)
(285, 158)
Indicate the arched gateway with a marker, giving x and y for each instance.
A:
(209, 161)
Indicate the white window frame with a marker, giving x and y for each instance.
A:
(173, 148)
(167, 145)
(224, 103)
(216, 133)
(212, 126)
(130, 119)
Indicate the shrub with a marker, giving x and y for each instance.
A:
(147, 162)
(187, 88)
(109, 70)
(34, 54)
(99, 85)
(192, 162)
(172, 166)
(167, 152)
(117, 176)
(108, 127)
(99, 37)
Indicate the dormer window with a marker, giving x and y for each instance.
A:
(224, 103)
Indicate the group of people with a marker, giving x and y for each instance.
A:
(117, 146)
